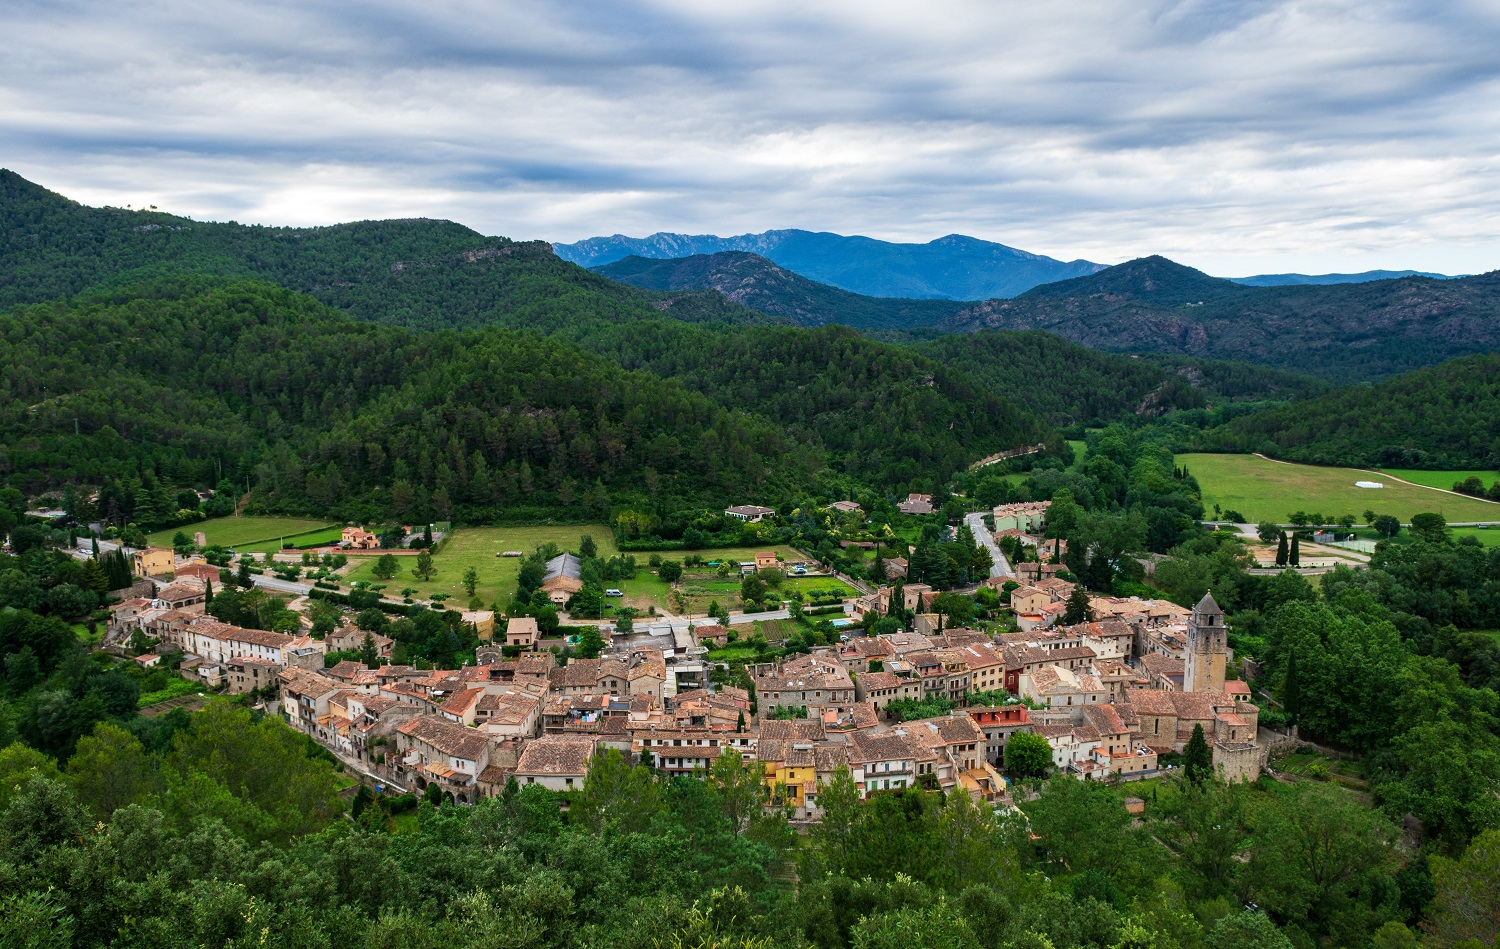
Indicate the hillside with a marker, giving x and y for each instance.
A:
(951, 268)
(758, 283)
(1069, 384)
(417, 273)
(193, 376)
(880, 412)
(1343, 332)
(1444, 417)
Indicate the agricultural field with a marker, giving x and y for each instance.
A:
(1441, 479)
(1265, 490)
(239, 531)
(476, 547)
(699, 589)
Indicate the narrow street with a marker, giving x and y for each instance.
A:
(1000, 566)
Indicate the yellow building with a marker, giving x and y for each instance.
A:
(155, 562)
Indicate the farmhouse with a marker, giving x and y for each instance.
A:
(750, 513)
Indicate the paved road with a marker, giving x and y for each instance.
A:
(1000, 566)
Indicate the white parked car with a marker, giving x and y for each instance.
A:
(613, 592)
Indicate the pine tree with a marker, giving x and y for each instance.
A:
(1078, 607)
(1281, 550)
(1197, 761)
(208, 591)
(424, 569)
(1295, 557)
(93, 577)
(367, 653)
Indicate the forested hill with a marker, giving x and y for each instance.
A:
(1345, 332)
(760, 284)
(328, 414)
(1445, 417)
(1068, 384)
(419, 273)
(880, 412)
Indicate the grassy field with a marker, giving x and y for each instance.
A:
(176, 689)
(735, 554)
(1441, 479)
(1489, 537)
(1080, 448)
(731, 653)
(323, 538)
(476, 547)
(1264, 490)
(238, 531)
(810, 584)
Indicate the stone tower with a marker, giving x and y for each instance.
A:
(1207, 648)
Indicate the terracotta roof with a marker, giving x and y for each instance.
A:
(448, 738)
(1151, 701)
(1157, 664)
(878, 680)
(1105, 719)
(345, 670)
(556, 754)
(887, 746)
(459, 702)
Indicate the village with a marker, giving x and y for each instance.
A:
(1112, 693)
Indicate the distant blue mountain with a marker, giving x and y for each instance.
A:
(952, 268)
(1323, 280)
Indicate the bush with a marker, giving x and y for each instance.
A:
(401, 804)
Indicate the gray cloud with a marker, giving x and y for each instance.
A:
(1240, 137)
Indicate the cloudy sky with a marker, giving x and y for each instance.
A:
(1240, 136)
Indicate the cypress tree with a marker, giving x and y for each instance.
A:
(1197, 761)
(1295, 558)
(1281, 552)
(1291, 689)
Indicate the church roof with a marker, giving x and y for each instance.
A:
(1207, 605)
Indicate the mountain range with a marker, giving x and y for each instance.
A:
(926, 386)
(955, 267)
(1293, 279)
(951, 268)
(1343, 332)
(1340, 332)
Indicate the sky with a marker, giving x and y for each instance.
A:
(1238, 136)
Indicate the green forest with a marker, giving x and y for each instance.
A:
(1444, 417)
